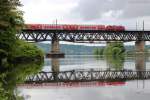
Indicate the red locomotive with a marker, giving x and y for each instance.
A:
(74, 27)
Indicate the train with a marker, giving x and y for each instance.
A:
(74, 27)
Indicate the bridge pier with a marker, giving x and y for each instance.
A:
(55, 64)
(140, 56)
(55, 48)
(140, 65)
(139, 46)
(55, 68)
(140, 62)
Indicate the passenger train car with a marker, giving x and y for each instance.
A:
(73, 27)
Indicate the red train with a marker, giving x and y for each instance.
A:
(74, 27)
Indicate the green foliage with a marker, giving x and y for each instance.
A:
(24, 49)
(11, 16)
(10, 76)
(7, 41)
(26, 70)
(114, 53)
(115, 62)
(115, 49)
(3, 54)
(11, 22)
(98, 51)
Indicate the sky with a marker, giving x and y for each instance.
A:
(107, 12)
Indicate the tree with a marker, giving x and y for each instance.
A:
(115, 49)
(16, 75)
(11, 22)
(115, 62)
(114, 54)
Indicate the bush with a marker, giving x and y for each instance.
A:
(24, 49)
(3, 54)
(115, 49)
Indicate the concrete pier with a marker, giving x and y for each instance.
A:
(140, 54)
(55, 49)
(139, 46)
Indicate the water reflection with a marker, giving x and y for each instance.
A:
(140, 66)
(55, 68)
(112, 63)
(115, 62)
(55, 64)
(92, 90)
(13, 74)
(125, 92)
(140, 62)
(88, 62)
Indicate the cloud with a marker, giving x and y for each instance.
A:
(118, 12)
(95, 9)
(133, 8)
(46, 11)
(91, 9)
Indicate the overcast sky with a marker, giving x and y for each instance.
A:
(118, 12)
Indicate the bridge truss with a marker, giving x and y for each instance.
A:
(83, 35)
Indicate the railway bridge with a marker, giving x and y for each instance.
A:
(38, 35)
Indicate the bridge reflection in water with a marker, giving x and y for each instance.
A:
(73, 84)
(88, 75)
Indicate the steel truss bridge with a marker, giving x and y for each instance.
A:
(83, 35)
(86, 76)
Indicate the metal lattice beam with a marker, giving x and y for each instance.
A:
(84, 35)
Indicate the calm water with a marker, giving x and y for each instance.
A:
(128, 90)
(86, 62)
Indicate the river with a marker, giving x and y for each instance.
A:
(126, 90)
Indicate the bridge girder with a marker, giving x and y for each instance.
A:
(83, 35)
